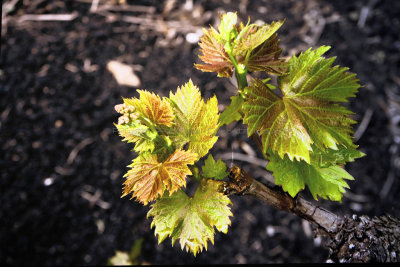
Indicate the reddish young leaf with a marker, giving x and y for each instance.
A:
(152, 107)
(266, 57)
(263, 45)
(149, 178)
(214, 55)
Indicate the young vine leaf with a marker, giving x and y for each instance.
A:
(253, 36)
(135, 132)
(196, 122)
(331, 157)
(261, 45)
(256, 47)
(192, 220)
(214, 55)
(130, 126)
(307, 113)
(152, 107)
(326, 182)
(232, 112)
(227, 30)
(214, 169)
(149, 178)
(266, 57)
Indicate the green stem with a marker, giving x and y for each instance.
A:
(246, 62)
(148, 123)
(241, 72)
(240, 69)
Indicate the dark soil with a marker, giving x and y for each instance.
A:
(62, 161)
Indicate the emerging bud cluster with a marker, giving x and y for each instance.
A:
(124, 108)
(128, 113)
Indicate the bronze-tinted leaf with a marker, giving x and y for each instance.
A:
(214, 55)
(266, 57)
(152, 107)
(306, 114)
(149, 178)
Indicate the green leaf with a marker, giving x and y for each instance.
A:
(227, 30)
(135, 132)
(326, 182)
(192, 220)
(196, 122)
(214, 169)
(232, 112)
(254, 36)
(306, 113)
(145, 140)
(331, 157)
(163, 147)
(312, 76)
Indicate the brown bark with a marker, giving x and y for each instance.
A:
(365, 239)
(349, 239)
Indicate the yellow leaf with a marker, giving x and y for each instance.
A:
(120, 258)
(192, 220)
(196, 122)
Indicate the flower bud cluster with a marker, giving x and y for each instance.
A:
(128, 113)
(124, 108)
